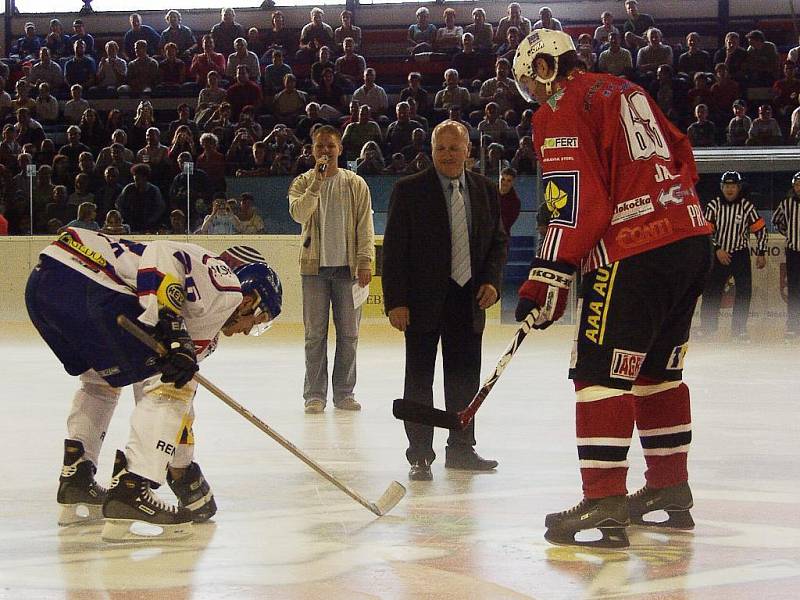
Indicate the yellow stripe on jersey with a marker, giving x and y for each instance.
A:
(609, 292)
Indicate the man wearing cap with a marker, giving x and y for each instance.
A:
(80, 34)
(762, 64)
(27, 47)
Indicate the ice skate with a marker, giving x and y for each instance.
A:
(609, 515)
(675, 500)
(130, 501)
(79, 496)
(194, 493)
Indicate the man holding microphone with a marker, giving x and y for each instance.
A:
(334, 208)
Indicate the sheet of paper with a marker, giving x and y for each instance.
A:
(360, 294)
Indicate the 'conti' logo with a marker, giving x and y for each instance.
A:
(640, 235)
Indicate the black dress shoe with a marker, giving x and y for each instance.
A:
(468, 460)
(420, 471)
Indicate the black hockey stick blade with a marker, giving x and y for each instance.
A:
(408, 410)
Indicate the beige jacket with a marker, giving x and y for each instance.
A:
(304, 208)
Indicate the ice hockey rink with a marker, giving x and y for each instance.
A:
(284, 532)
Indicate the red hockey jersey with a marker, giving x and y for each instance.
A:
(618, 178)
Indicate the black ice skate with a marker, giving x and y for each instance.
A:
(609, 515)
(79, 496)
(675, 500)
(130, 500)
(194, 493)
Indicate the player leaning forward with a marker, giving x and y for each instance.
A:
(185, 296)
(619, 183)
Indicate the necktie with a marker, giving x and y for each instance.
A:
(460, 269)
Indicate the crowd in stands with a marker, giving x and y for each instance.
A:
(261, 92)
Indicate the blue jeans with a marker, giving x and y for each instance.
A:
(332, 287)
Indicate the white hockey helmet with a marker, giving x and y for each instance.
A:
(540, 41)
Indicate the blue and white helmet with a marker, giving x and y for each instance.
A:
(260, 279)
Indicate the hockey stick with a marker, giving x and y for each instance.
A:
(408, 410)
(393, 494)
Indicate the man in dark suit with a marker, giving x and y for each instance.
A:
(443, 254)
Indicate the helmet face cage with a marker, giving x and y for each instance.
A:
(540, 42)
(262, 281)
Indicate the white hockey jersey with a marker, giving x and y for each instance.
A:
(212, 290)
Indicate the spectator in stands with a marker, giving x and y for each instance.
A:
(733, 55)
(794, 54)
(763, 64)
(184, 120)
(668, 93)
(179, 34)
(422, 34)
(513, 18)
(82, 194)
(314, 35)
(701, 92)
(206, 61)
(260, 164)
(416, 92)
(723, 92)
(221, 221)
(46, 70)
(73, 148)
(456, 114)
(193, 188)
(306, 161)
(508, 48)
(220, 124)
(414, 115)
(118, 158)
(156, 155)
(172, 70)
(41, 194)
(112, 71)
(250, 222)
(46, 108)
(448, 38)
(359, 133)
(524, 128)
(278, 38)
(546, 20)
(57, 41)
(81, 67)
(492, 124)
(397, 165)
(139, 32)
(182, 143)
(80, 33)
(703, 132)
(9, 149)
(93, 133)
(347, 30)
(481, 31)
(586, 53)
(469, 63)
(636, 26)
(419, 145)
(765, 130)
(501, 89)
(144, 120)
(243, 57)
(509, 200)
(794, 123)
(209, 99)
(143, 72)
(58, 207)
(350, 66)
(86, 165)
(212, 161)
(323, 62)
(22, 98)
(28, 46)
(654, 54)
(398, 134)
(615, 60)
(254, 43)
(5, 99)
(87, 217)
(370, 161)
(785, 92)
(114, 225)
(695, 59)
(243, 92)
(524, 160)
(177, 223)
(602, 33)
(290, 102)
(307, 122)
(140, 202)
(28, 130)
(240, 152)
(452, 94)
(329, 96)
(106, 196)
(274, 73)
(226, 31)
(373, 96)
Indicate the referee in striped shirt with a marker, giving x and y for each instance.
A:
(734, 218)
(786, 220)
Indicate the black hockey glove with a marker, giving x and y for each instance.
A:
(179, 364)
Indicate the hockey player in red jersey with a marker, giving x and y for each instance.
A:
(618, 181)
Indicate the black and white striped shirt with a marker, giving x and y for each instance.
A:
(786, 220)
(734, 222)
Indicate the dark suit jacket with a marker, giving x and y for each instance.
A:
(416, 247)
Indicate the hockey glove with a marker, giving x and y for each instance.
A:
(179, 364)
(547, 289)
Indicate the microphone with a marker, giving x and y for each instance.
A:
(323, 166)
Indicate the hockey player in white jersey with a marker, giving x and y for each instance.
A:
(185, 296)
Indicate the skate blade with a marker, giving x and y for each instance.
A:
(131, 530)
(612, 538)
(677, 520)
(73, 514)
